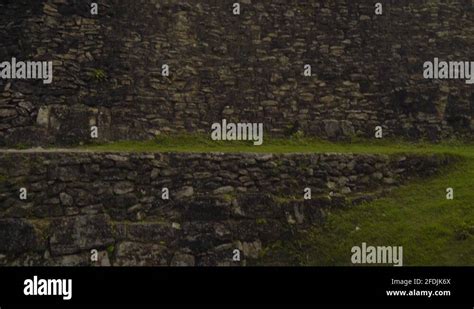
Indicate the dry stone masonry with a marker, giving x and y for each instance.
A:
(113, 203)
(367, 70)
(141, 68)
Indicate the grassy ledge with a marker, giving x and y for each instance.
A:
(200, 143)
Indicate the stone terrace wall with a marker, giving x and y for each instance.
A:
(113, 202)
(367, 69)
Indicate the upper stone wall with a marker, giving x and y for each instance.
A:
(367, 69)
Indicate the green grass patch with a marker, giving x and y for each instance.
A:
(201, 143)
(433, 231)
(110, 249)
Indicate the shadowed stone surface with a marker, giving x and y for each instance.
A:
(112, 202)
(18, 236)
(367, 69)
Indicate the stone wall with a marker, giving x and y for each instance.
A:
(107, 68)
(112, 202)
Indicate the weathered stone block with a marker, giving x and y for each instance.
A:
(73, 234)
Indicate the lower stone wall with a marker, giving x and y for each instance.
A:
(113, 202)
